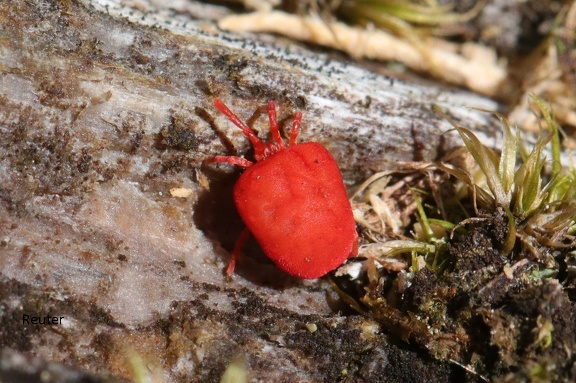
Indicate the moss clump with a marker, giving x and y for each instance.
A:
(473, 258)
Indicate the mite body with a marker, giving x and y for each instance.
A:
(293, 201)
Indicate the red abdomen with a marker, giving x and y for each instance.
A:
(295, 204)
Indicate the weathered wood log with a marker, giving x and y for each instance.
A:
(104, 110)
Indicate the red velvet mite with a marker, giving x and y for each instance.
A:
(293, 200)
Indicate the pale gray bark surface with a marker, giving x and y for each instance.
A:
(88, 227)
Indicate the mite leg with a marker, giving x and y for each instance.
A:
(295, 129)
(274, 125)
(238, 161)
(354, 251)
(239, 244)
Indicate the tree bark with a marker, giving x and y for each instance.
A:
(104, 110)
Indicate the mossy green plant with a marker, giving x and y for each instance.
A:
(398, 16)
(473, 256)
(537, 194)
